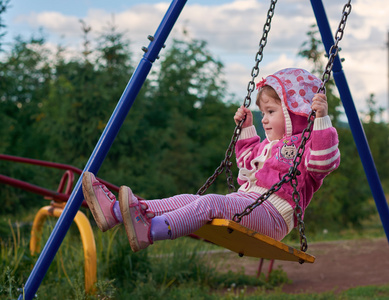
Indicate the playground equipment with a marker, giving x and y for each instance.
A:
(58, 200)
(57, 196)
(237, 238)
(86, 233)
(55, 209)
(265, 246)
(126, 101)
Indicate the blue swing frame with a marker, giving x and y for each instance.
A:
(125, 103)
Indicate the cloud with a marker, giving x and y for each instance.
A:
(52, 21)
(233, 31)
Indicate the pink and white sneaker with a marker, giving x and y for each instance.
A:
(136, 223)
(100, 201)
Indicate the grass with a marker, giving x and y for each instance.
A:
(370, 228)
(176, 269)
(358, 293)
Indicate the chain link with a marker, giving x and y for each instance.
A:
(226, 163)
(291, 176)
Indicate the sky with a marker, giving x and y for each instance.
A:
(232, 30)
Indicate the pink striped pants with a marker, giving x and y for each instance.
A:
(187, 213)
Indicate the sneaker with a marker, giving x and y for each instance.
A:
(136, 223)
(100, 201)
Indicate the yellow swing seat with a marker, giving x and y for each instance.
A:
(246, 242)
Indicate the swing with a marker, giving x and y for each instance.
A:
(230, 234)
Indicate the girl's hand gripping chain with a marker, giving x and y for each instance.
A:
(241, 113)
(320, 105)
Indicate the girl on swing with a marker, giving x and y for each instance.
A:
(285, 99)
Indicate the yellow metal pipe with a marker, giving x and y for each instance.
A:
(87, 238)
(88, 242)
(36, 230)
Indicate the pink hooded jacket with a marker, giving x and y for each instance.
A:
(262, 164)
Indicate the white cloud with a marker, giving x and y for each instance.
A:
(53, 21)
(233, 31)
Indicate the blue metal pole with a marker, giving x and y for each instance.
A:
(102, 147)
(354, 121)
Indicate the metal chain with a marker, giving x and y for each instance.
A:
(226, 163)
(291, 176)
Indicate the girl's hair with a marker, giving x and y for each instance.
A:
(268, 90)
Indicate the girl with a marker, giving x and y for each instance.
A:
(285, 99)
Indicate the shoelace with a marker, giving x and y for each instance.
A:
(147, 213)
(106, 190)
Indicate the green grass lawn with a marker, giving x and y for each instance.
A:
(176, 269)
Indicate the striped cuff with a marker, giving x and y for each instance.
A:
(248, 132)
(322, 123)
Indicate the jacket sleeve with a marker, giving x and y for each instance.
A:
(245, 147)
(323, 155)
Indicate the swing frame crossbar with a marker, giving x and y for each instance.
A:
(125, 103)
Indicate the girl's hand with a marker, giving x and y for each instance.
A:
(241, 113)
(320, 105)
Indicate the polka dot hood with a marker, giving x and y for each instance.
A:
(296, 89)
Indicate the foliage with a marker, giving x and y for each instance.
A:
(174, 137)
(180, 130)
(377, 132)
(25, 78)
(342, 200)
(122, 274)
(54, 106)
(183, 272)
(15, 263)
(4, 4)
(313, 50)
(360, 293)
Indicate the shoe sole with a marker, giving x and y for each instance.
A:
(89, 195)
(127, 219)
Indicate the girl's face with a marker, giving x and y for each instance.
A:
(273, 117)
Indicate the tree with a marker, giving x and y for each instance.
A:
(4, 4)
(81, 98)
(377, 132)
(24, 85)
(313, 50)
(374, 113)
(182, 133)
(343, 198)
(25, 77)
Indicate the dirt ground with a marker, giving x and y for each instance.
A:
(339, 265)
